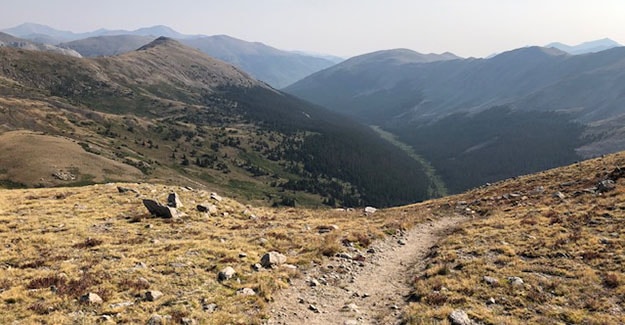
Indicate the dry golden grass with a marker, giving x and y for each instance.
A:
(17, 149)
(570, 253)
(58, 244)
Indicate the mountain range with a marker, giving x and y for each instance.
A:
(586, 47)
(479, 120)
(276, 67)
(177, 115)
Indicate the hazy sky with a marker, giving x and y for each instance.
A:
(346, 27)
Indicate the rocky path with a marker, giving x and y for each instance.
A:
(356, 290)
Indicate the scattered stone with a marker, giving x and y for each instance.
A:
(559, 195)
(344, 255)
(352, 308)
(159, 210)
(360, 258)
(140, 265)
(351, 322)
(326, 229)
(216, 197)
(313, 308)
(314, 283)
(173, 200)
(91, 299)
(515, 281)
(395, 307)
(122, 304)
(153, 295)
(370, 210)
(126, 190)
(256, 267)
(209, 308)
(207, 207)
(226, 274)
(246, 292)
(371, 250)
(187, 321)
(606, 186)
(402, 242)
(272, 259)
(64, 176)
(289, 266)
(459, 317)
(490, 280)
(242, 255)
(491, 301)
(156, 320)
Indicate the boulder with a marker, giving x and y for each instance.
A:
(515, 281)
(490, 280)
(226, 274)
(272, 259)
(158, 210)
(173, 200)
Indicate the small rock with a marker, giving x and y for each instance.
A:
(490, 280)
(272, 259)
(209, 308)
(122, 304)
(314, 283)
(370, 210)
(402, 242)
(91, 299)
(256, 267)
(515, 281)
(559, 195)
(491, 301)
(206, 207)
(187, 321)
(242, 255)
(153, 295)
(371, 250)
(216, 197)
(606, 186)
(344, 255)
(226, 274)
(326, 229)
(395, 307)
(353, 308)
(360, 258)
(459, 317)
(140, 265)
(246, 292)
(156, 320)
(313, 308)
(289, 266)
(125, 190)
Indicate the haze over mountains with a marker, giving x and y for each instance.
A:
(479, 120)
(474, 120)
(276, 67)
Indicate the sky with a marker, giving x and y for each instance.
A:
(346, 28)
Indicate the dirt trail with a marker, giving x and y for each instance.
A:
(373, 291)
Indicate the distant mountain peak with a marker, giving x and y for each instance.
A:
(586, 47)
(162, 41)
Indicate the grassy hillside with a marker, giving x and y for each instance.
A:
(62, 243)
(555, 230)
